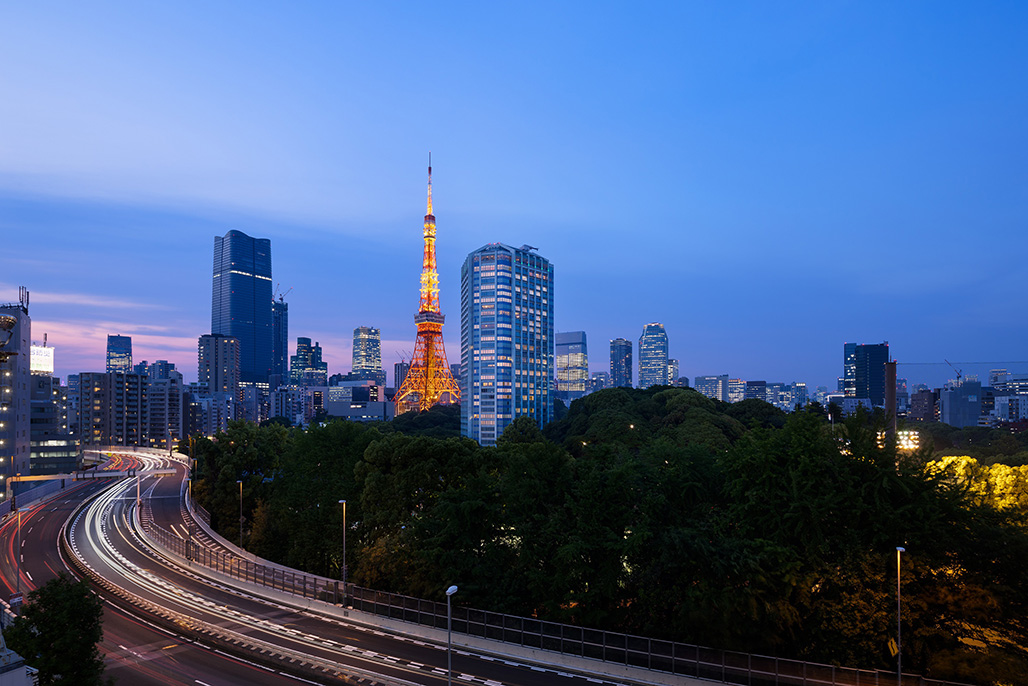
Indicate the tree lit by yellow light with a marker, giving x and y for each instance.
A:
(1000, 485)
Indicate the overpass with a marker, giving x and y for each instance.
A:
(86, 475)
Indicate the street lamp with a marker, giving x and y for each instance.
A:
(449, 641)
(240, 482)
(343, 503)
(899, 626)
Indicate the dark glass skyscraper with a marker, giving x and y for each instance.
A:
(869, 372)
(241, 300)
(621, 363)
(306, 367)
(280, 340)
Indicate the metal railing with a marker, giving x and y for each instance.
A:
(231, 641)
(680, 659)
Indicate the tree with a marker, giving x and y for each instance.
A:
(58, 633)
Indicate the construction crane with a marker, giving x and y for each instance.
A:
(960, 372)
(281, 296)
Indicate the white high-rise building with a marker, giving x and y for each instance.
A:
(506, 339)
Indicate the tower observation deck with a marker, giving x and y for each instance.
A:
(429, 381)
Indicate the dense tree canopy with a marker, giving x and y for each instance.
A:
(664, 513)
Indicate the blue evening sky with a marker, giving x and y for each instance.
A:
(769, 180)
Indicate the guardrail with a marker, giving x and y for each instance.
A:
(234, 642)
(680, 659)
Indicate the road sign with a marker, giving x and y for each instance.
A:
(16, 599)
(893, 649)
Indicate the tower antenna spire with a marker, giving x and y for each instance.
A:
(429, 213)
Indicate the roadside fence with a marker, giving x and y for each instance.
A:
(681, 659)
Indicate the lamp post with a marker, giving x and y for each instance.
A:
(343, 503)
(240, 482)
(449, 641)
(899, 626)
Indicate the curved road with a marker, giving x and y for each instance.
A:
(102, 534)
(136, 652)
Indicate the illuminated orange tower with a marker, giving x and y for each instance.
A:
(429, 381)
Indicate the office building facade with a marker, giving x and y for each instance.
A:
(869, 373)
(653, 360)
(241, 301)
(599, 381)
(506, 339)
(366, 360)
(621, 363)
(54, 450)
(119, 354)
(218, 364)
(673, 378)
(400, 370)
(715, 387)
(113, 409)
(306, 367)
(571, 359)
(164, 409)
(15, 390)
(279, 342)
(848, 380)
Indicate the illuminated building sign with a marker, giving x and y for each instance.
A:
(41, 360)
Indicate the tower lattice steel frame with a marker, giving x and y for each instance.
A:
(429, 381)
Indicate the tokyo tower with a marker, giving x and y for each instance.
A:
(429, 381)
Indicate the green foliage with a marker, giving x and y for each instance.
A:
(664, 513)
(58, 633)
(440, 421)
(244, 452)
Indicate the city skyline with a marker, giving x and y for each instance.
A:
(845, 177)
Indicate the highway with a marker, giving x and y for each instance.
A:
(103, 536)
(135, 650)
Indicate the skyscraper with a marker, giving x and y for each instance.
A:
(673, 373)
(279, 340)
(15, 386)
(217, 367)
(400, 370)
(869, 372)
(367, 355)
(119, 354)
(506, 339)
(849, 370)
(621, 363)
(429, 380)
(306, 367)
(241, 300)
(653, 356)
(571, 359)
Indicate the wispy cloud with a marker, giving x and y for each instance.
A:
(82, 345)
(83, 300)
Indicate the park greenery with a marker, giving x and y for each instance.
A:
(663, 513)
